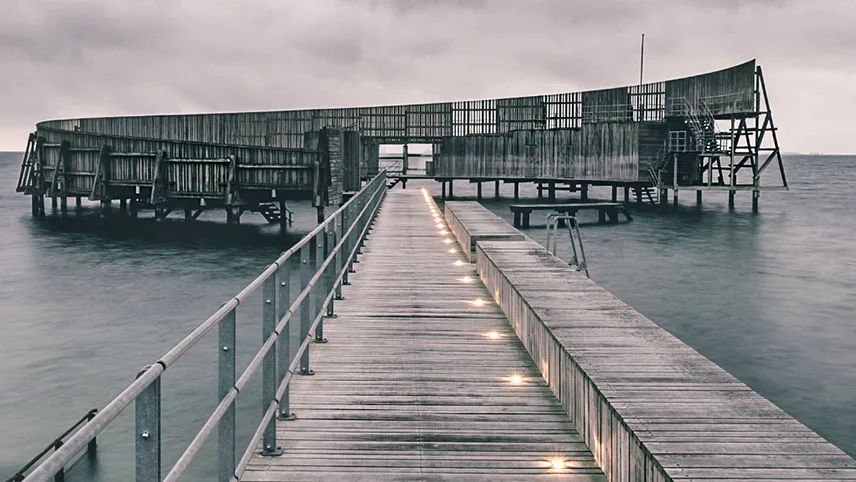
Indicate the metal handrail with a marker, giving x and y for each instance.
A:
(56, 444)
(578, 262)
(340, 236)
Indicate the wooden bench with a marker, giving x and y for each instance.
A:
(604, 210)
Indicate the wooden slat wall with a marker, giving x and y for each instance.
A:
(335, 155)
(352, 155)
(651, 137)
(725, 91)
(198, 177)
(608, 152)
(369, 159)
(607, 105)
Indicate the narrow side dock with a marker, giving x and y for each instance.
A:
(419, 380)
(650, 407)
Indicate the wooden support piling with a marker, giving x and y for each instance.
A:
(614, 193)
(516, 191)
(731, 199)
(584, 191)
(496, 189)
(478, 190)
(698, 198)
(283, 219)
(626, 194)
(552, 191)
(755, 195)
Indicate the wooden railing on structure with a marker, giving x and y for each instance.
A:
(336, 243)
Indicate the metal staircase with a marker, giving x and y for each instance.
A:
(30, 167)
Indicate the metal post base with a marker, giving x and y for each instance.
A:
(288, 418)
(346, 283)
(306, 373)
(340, 297)
(334, 315)
(319, 340)
(271, 452)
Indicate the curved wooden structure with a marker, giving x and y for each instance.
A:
(696, 132)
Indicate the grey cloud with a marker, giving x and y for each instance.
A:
(90, 58)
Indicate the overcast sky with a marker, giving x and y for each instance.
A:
(73, 58)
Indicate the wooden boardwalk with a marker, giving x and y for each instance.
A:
(412, 385)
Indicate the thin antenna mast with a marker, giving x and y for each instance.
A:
(641, 59)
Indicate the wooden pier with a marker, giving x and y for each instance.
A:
(425, 378)
(419, 381)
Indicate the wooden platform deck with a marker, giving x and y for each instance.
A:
(412, 386)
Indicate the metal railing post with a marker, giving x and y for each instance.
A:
(269, 447)
(148, 432)
(360, 221)
(226, 375)
(349, 243)
(340, 231)
(93, 444)
(283, 303)
(59, 476)
(318, 296)
(330, 283)
(305, 320)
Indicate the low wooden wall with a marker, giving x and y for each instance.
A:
(469, 222)
(648, 406)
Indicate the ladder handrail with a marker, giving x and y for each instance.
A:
(578, 262)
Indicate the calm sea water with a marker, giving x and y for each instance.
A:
(85, 304)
